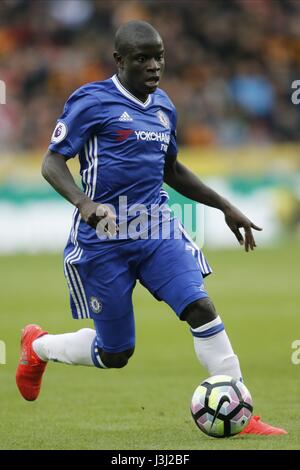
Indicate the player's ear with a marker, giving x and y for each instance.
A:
(119, 60)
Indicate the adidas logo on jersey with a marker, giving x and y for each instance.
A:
(125, 117)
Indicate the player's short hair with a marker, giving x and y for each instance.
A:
(132, 33)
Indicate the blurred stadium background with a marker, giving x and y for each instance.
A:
(229, 70)
(230, 65)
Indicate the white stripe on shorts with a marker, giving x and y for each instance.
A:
(89, 177)
(75, 284)
(204, 266)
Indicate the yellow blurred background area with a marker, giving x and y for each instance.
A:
(262, 181)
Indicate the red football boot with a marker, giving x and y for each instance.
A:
(31, 368)
(256, 426)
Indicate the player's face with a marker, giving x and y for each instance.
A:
(141, 69)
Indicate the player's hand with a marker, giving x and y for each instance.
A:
(99, 216)
(235, 220)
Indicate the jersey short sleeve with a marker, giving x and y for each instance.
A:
(172, 148)
(78, 122)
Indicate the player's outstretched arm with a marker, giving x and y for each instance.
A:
(55, 170)
(188, 184)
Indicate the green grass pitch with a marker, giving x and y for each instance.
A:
(146, 404)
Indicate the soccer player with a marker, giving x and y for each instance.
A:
(124, 131)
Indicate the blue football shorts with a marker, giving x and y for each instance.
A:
(101, 282)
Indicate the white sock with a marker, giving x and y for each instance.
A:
(214, 351)
(69, 348)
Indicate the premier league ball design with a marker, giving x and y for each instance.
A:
(221, 406)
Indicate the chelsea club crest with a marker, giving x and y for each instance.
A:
(95, 304)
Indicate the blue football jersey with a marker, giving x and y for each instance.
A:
(122, 144)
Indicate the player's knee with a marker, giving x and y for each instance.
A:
(116, 360)
(199, 313)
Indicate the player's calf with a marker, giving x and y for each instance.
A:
(116, 360)
(199, 313)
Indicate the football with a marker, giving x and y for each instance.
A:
(221, 406)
